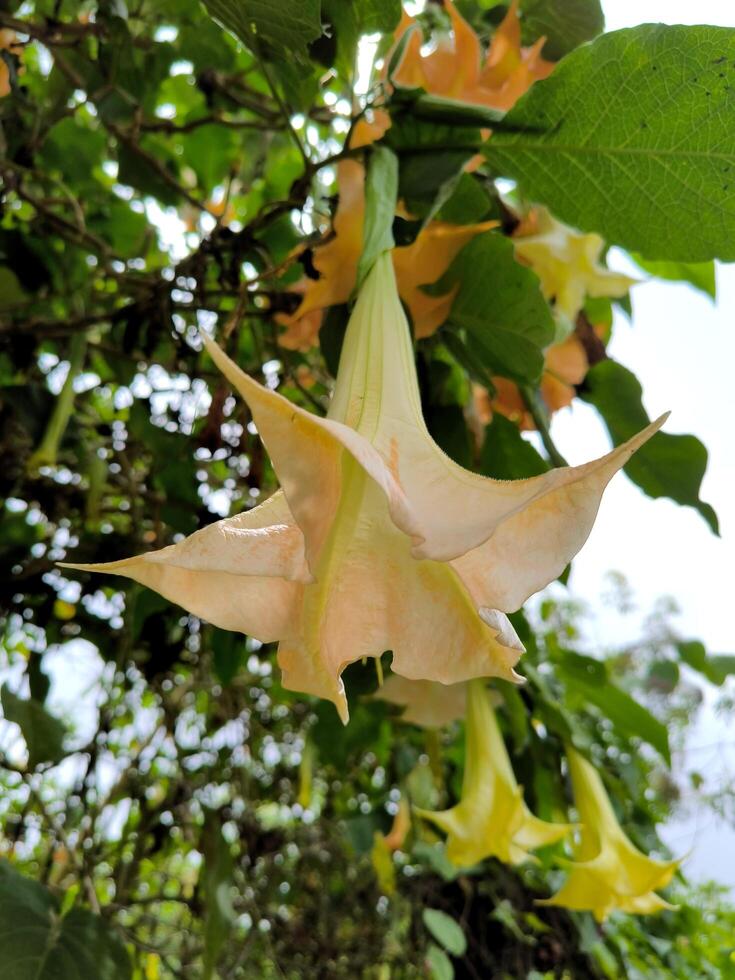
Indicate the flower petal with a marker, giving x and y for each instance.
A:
(240, 574)
(307, 454)
(526, 531)
(371, 595)
(427, 704)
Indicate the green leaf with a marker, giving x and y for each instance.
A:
(667, 465)
(633, 136)
(506, 455)
(701, 275)
(282, 26)
(349, 21)
(500, 307)
(448, 429)
(381, 194)
(440, 966)
(715, 668)
(43, 734)
(229, 654)
(38, 944)
(216, 884)
(432, 158)
(629, 717)
(446, 931)
(564, 23)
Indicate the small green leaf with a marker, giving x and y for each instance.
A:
(381, 194)
(43, 734)
(715, 668)
(564, 23)
(440, 966)
(701, 275)
(40, 944)
(633, 136)
(500, 307)
(667, 465)
(446, 931)
(506, 455)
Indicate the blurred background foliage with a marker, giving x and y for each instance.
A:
(192, 818)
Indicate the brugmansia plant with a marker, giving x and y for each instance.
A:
(284, 288)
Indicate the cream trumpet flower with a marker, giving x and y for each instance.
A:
(491, 819)
(610, 872)
(377, 541)
(567, 263)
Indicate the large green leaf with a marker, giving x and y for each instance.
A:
(282, 25)
(43, 734)
(500, 307)
(667, 465)
(633, 136)
(564, 23)
(36, 943)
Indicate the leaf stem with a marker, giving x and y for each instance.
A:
(541, 420)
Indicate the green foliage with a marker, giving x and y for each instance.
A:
(701, 275)
(668, 465)
(564, 23)
(506, 455)
(445, 930)
(643, 119)
(43, 734)
(286, 28)
(499, 307)
(41, 942)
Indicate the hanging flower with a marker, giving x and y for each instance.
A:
(491, 818)
(422, 262)
(567, 263)
(455, 69)
(610, 872)
(377, 540)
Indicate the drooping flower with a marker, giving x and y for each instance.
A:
(377, 541)
(491, 818)
(425, 703)
(455, 68)
(609, 871)
(422, 262)
(568, 264)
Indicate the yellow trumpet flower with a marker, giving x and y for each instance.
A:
(491, 819)
(377, 541)
(610, 872)
(568, 264)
